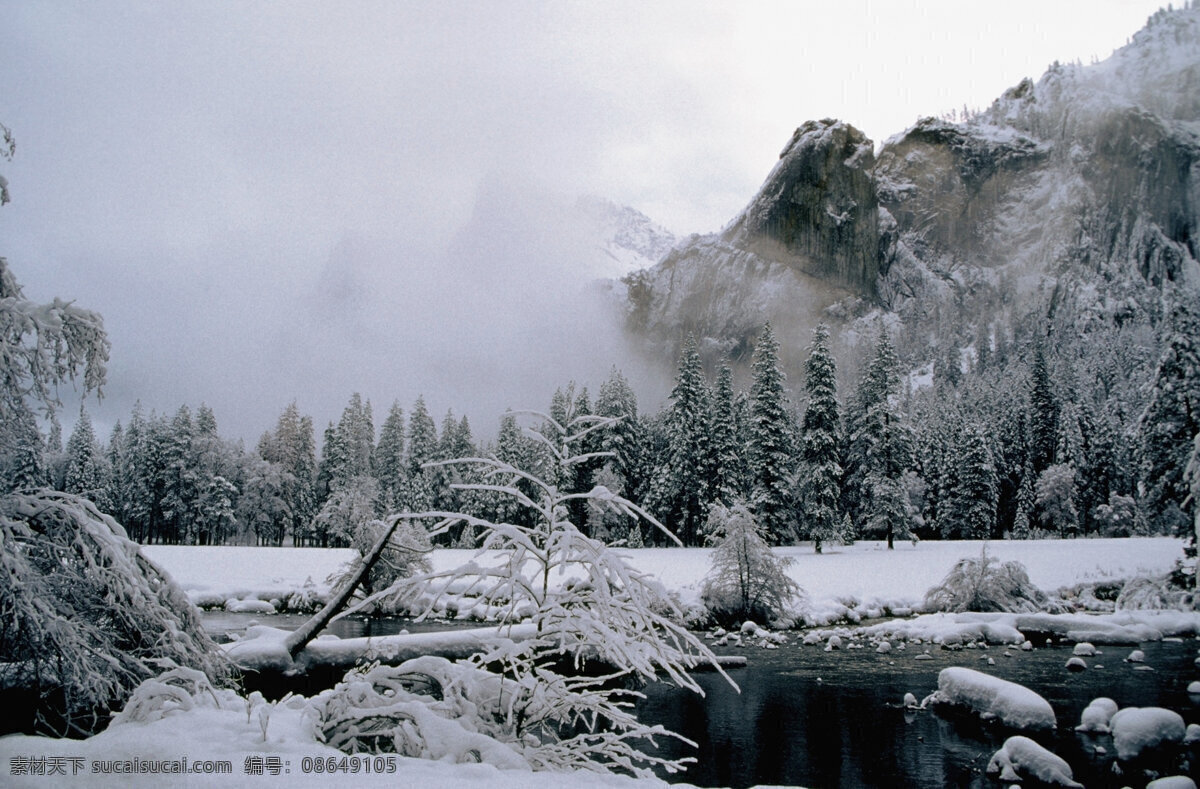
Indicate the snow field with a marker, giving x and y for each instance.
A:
(845, 583)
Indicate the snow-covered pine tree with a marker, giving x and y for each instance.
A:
(1043, 412)
(879, 449)
(293, 448)
(618, 401)
(389, 456)
(681, 494)
(971, 509)
(1169, 425)
(728, 481)
(772, 441)
(819, 484)
(85, 468)
(422, 436)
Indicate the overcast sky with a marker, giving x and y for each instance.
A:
(277, 201)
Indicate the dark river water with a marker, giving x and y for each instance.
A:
(834, 719)
(818, 719)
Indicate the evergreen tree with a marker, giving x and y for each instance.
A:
(728, 475)
(390, 469)
(971, 510)
(422, 437)
(681, 493)
(84, 473)
(771, 442)
(1043, 413)
(1169, 425)
(179, 478)
(292, 447)
(617, 401)
(23, 463)
(819, 488)
(878, 449)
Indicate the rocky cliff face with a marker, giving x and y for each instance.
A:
(1088, 179)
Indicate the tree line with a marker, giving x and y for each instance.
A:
(1014, 436)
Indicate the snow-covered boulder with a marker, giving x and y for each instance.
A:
(1076, 664)
(1135, 729)
(1084, 649)
(235, 606)
(994, 698)
(1172, 782)
(1194, 687)
(1096, 716)
(1021, 758)
(1136, 656)
(1192, 734)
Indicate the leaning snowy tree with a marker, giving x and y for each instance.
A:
(84, 617)
(560, 686)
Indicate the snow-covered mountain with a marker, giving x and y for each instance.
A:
(1082, 188)
(626, 239)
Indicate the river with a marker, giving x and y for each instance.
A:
(834, 719)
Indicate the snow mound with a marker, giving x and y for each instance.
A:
(1172, 782)
(1097, 715)
(1136, 729)
(1021, 758)
(993, 698)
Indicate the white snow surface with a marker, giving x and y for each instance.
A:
(991, 698)
(230, 733)
(1021, 757)
(1134, 729)
(843, 583)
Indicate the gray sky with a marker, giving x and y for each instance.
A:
(285, 201)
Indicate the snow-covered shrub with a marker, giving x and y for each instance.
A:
(610, 616)
(1144, 592)
(178, 689)
(1056, 493)
(984, 584)
(87, 616)
(425, 708)
(747, 580)
(1120, 517)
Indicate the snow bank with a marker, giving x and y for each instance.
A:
(262, 648)
(954, 630)
(993, 698)
(1021, 758)
(1136, 729)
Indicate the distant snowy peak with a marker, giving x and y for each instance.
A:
(628, 239)
(1158, 72)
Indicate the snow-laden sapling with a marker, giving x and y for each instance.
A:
(985, 584)
(563, 694)
(747, 579)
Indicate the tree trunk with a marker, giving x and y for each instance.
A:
(300, 637)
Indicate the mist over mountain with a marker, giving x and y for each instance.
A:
(1078, 193)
